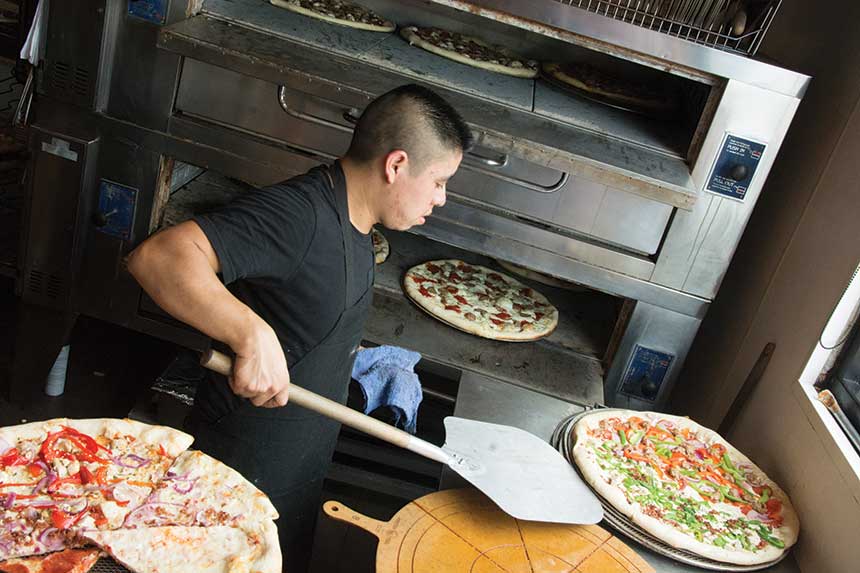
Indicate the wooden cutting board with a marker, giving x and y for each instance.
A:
(462, 530)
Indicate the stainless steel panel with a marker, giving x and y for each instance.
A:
(63, 164)
(72, 60)
(658, 329)
(230, 99)
(633, 42)
(143, 81)
(700, 244)
(631, 221)
(482, 232)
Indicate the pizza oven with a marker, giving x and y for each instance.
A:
(163, 109)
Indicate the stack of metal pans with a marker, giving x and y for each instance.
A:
(563, 441)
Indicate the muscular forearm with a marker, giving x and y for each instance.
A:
(178, 276)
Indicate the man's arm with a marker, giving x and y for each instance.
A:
(177, 268)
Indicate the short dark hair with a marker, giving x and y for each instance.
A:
(412, 118)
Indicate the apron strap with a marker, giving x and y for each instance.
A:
(338, 182)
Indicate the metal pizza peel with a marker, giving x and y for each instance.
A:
(525, 476)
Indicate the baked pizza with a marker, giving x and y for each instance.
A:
(595, 83)
(381, 249)
(68, 484)
(338, 12)
(685, 485)
(470, 51)
(480, 301)
(66, 561)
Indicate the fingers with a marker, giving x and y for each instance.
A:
(280, 399)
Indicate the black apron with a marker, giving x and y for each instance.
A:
(286, 451)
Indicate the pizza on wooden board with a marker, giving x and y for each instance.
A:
(339, 12)
(66, 484)
(470, 51)
(480, 301)
(685, 485)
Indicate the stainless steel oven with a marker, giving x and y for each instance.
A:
(191, 101)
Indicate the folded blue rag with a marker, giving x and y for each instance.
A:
(386, 377)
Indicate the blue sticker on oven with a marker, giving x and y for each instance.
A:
(646, 373)
(735, 167)
(153, 11)
(115, 214)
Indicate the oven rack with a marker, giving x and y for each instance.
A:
(706, 22)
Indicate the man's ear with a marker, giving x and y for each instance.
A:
(396, 163)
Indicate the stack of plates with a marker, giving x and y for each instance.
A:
(563, 441)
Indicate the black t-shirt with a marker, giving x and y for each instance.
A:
(281, 253)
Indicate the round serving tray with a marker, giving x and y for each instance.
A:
(562, 440)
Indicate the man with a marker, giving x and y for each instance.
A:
(299, 262)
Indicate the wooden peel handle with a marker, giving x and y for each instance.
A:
(340, 512)
(223, 364)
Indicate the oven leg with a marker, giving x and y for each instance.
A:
(40, 335)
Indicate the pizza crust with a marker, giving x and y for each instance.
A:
(410, 35)
(173, 441)
(181, 549)
(593, 474)
(388, 27)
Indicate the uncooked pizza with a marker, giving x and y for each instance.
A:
(685, 485)
(470, 51)
(603, 86)
(480, 301)
(381, 249)
(339, 12)
(66, 485)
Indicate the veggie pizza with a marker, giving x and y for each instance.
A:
(129, 489)
(685, 485)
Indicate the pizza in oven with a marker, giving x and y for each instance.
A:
(480, 301)
(685, 485)
(470, 51)
(339, 12)
(68, 484)
(596, 83)
(381, 248)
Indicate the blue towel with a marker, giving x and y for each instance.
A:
(386, 377)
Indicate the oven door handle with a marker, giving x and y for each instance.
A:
(348, 114)
(562, 180)
(499, 161)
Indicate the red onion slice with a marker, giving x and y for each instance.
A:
(51, 541)
(131, 461)
(148, 511)
(185, 486)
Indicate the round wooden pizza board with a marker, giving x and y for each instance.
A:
(461, 530)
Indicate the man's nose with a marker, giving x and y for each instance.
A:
(440, 198)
